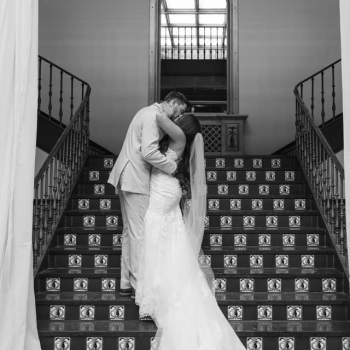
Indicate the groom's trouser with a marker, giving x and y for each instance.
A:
(133, 206)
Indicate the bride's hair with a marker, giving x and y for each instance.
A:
(190, 126)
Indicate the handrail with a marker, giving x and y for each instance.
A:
(62, 69)
(319, 72)
(324, 173)
(57, 177)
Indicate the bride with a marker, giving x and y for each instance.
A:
(172, 287)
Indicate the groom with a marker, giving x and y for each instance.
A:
(131, 176)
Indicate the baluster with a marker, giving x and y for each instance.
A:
(324, 182)
(204, 34)
(322, 98)
(54, 193)
(69, 157)
(76, 136)
(60, 113)
(191, 43)
(211, 43)
(320, 172)
(217, 43)
(297, 125)
(72, 154)
(41, 219)
(306, 147)
(301, 126)
(171, 42)
(342, 217)
(310, 147)
(39, 84)
(185, 53)
(87, 128)
(198, 41)
(63, 175)
(314, 161)
(317, 180)
(302, 90)
(337, 207)
(35, 228)
(311, 154)
(50, 204)
(312, 97)
(333, 93)
(82, 131)
(305, 124)
(50, 93)
(333, 208)
(76, 145)
(178, 43)
(81, 127)
(80, 123)
(328, 190)
(46, 211)
(71, 97)
(59, 180)
(82, 91)
(224, 36)
(172, 31)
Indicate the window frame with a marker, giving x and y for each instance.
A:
(154, 71)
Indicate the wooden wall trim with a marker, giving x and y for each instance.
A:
(154, 53)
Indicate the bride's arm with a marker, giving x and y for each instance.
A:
(170, 128)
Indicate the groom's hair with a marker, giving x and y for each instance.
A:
(178, 97)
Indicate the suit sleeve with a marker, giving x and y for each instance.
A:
(150, 142)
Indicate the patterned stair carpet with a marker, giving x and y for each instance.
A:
(278, 279)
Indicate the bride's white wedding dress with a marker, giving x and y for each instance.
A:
(171, 285)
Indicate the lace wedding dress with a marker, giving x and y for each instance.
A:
(171, 286)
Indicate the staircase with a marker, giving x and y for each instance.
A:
(278, 279)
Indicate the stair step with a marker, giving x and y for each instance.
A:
(95, 174)
(251, 162)
(232, 305)
(264, 335)
(257, 189)
(228, 279)
(106, 203)
(217, 256)
(264, 237)
(215, 219)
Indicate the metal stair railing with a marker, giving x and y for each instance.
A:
(57, 177)
(322, 168)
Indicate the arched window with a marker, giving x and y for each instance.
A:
(231, 53)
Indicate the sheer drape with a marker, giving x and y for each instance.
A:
(18, 106)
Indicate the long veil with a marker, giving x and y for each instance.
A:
(195, 210)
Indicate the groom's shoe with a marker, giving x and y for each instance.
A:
(126, 292)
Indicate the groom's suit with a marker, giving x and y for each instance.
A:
(131, 175)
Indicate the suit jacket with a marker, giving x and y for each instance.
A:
(140, 152)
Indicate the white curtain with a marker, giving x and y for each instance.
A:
(345, 53)
(18, 106)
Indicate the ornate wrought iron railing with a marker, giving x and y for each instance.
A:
(194, 43)
(321, 166)
(322, 96)
(56, 178)
(322, 93)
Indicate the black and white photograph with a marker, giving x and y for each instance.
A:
(173, 174)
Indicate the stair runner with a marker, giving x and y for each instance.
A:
(278, 279)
